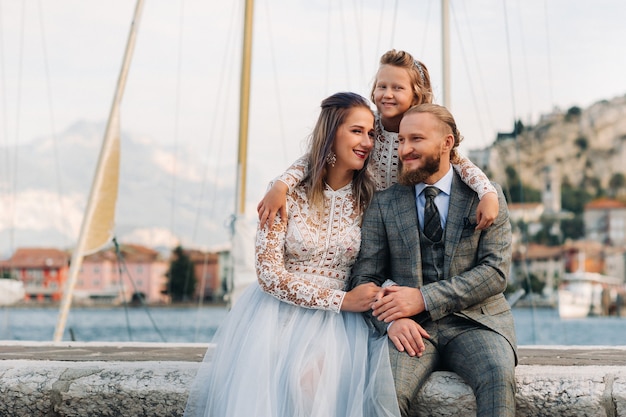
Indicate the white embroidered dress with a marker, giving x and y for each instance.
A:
(285, 348)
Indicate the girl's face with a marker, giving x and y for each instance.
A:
(393, 93)
(354, 139)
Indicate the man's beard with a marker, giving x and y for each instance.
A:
(418, 175)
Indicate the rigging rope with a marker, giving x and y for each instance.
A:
(549, 53)
(13, 179)
(470, 82)
(55, 145)
(277, 94)
(484, 109)
(519, 163)
(123, 268)
(225, 78)
(179, 60)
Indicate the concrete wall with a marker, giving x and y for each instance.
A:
(153, 380)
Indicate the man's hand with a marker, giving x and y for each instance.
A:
(398, 302)
(408, 336)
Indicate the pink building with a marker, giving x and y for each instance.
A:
(142, 271)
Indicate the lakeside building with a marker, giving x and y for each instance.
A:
(42, 270)
(139, 274)
(605, 221)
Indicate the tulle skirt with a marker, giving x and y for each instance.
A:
(273, 359)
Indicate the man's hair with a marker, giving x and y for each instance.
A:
(445, 117)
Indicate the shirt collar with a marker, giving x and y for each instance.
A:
(444, 184)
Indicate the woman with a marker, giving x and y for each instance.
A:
(295, 344)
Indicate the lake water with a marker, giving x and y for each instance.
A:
(186, 325)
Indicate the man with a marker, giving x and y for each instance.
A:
(445, 308)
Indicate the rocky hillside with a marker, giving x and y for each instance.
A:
(585, 147)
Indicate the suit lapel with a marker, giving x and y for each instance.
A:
(461, 202)
(405, 211)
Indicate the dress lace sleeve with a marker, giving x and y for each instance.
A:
(473, 176)
(291, 288)
(295, 173)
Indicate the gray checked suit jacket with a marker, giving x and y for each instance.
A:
(476, 263)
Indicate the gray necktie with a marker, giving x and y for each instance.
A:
(432, 222)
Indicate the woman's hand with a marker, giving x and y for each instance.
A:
(360, 298)
(487, 211)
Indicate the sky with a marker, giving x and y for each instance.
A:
(510, 59)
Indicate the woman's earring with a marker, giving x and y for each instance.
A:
(331, 158)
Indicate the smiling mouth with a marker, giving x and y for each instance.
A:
(361, 154)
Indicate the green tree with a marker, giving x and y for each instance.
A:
(573, 114)
(518, 128)
(573, 228)
(532, 284)
(516, 191)
(574, 199)
(181, 276)
(582, 143)
(616, 183)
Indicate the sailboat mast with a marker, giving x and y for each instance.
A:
(103, 194)
(242, 271)
(445, 51)
(244, 110)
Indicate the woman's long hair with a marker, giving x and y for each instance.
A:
(334, 111)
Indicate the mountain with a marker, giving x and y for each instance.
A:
(50, 182)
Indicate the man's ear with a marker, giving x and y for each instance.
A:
(448, 143)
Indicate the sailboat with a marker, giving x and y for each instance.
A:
(11, 291)
(98, 222)
(583, 294)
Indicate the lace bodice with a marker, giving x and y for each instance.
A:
(383, 166)
(308, 262)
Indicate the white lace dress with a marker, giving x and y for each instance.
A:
(286, 349)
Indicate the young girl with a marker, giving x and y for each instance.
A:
(296, 344)
(401, 82)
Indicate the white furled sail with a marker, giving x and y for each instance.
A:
(98, 223)
(244, 271)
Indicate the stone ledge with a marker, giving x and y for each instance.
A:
(125, 379)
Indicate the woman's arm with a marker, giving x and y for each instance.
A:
(274, 200)
(275, 280)
(475, 178)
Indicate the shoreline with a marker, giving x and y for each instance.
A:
(190, 305)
